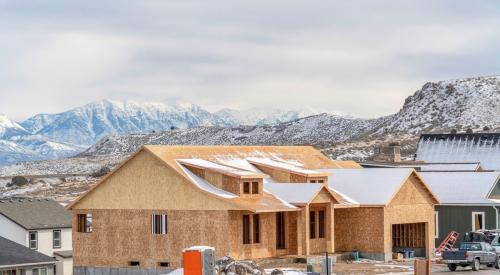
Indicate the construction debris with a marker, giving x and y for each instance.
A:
(228, 266)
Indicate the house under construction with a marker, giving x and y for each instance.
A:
(248, 202)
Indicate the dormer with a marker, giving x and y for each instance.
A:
(237, 181)
(283, 171)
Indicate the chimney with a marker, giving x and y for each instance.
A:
(389, 153)
(395, 151)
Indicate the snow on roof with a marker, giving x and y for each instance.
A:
(285, 203)
(296, 193)
(220, 168)
(479, 147)
(243, 164)
(198, 248)
(289, 166)
(239, 163)
(374, 186)
(206, 186)
(461, 187)
(450, 167)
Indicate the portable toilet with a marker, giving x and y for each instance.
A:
(199, 260)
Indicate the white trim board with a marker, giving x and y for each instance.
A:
(483, 220)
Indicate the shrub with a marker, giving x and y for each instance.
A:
(101, 172)
(18, 181)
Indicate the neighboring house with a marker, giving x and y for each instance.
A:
(246, 201)
(39, 224)
(395, 213)
(466, 201)
(17, 259)
(390, 157)
(427, 167)
(451, 148)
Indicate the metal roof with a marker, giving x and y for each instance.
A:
(423, 166)
(471, 167)
(36, 213)
(12, 254)
(479, 147)
(375, 186)
(461, 187)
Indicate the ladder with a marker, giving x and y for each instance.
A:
(448, 242)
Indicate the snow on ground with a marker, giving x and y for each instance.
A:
(287, 271)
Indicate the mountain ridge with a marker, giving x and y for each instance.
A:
(49, 136)
(457, 104)
(437, 107)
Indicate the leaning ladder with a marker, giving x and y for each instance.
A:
(448, 242)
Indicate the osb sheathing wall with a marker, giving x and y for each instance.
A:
(359, 229)
(368, 229)
(412, 204)
(120, 236)
(146, 183)
(323, 201)
(291, 233)
(278, 175)
(267, 245)
(297, 178)
(318, 245)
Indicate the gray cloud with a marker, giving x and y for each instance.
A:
(357, 57)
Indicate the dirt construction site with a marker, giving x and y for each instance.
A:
(362, 266)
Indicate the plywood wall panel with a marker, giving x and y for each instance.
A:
(359, 229)
(146, 183)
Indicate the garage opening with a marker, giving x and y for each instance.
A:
(409, 237)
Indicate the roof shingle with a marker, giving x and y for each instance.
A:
(36, 213)
(12, 254)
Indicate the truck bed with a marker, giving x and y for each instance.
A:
(454, 255)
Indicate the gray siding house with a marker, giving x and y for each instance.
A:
(466, 201)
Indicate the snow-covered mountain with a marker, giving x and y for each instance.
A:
(437, 107)
(313, 130)
(86, 124)
(259, 116)
(9, 128)
(17, 144)
(50, 136)
(452, 104)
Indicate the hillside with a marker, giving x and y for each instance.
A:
(53, 136)
(436, 107)
(453, 104)
(313, 130)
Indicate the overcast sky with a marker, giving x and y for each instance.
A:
(355, 57)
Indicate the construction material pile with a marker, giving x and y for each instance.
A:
(228, 266)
